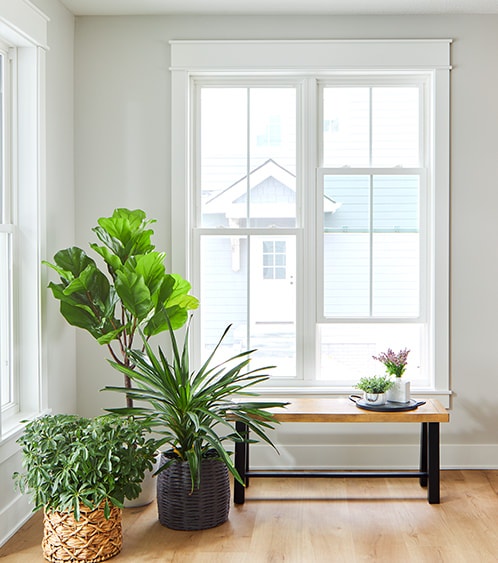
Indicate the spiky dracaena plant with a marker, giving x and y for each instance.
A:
(195, 411)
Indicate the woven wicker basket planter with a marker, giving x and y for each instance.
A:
(206, 507)
(90, 539)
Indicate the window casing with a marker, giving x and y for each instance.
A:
(22, 48)
(372, 197)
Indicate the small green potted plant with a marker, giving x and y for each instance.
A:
(395, 365)
(375, 388)
(194, 411)
(80, 470)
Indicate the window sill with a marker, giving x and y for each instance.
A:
(12, 428)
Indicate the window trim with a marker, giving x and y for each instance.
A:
(24, 27)
(287, 57)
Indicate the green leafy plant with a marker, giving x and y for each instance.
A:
(194, 411)
(135, 296)
(71, 460)
(375, 384)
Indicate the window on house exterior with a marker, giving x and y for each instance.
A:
(320, 245)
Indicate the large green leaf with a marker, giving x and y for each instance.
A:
(81, 317)
(134, 294)
(151, 267)
(93, 283)
(136, 218)
(73, 260)
(125, 232)
(74, 300)
(110, 258)
(163, 318)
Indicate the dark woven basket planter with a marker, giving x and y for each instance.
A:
(206, 507)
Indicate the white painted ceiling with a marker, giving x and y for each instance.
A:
(289, 7)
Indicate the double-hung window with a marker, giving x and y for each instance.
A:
(22, 149)
(316, 212)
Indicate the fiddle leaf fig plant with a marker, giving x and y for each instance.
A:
(133, 295)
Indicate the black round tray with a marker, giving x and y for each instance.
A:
(387, 407)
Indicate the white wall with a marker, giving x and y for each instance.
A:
(60, 354)
(122, 158)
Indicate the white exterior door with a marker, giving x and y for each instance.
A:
(273, 278)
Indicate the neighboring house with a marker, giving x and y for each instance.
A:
(268, 195)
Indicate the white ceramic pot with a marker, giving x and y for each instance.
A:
(148, 493)
(375, 399)
(400, 393)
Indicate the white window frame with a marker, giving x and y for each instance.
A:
(24, 28)
(191, 59)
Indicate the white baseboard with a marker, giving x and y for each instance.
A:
(13, 516)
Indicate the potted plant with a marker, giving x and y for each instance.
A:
(395, 365)
(374, 388)
(79, 471)
(195, 411)
(131, 296)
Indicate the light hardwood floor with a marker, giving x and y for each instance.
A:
(319, 521)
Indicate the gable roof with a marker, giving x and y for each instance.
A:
(268, 184)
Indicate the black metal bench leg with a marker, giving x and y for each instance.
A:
(423, 454)
(433, 492)
(241, 455)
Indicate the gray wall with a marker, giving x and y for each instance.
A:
(122, 100)
(121, 158)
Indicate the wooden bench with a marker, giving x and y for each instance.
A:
(329, 410)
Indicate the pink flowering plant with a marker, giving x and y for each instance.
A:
(395, 363)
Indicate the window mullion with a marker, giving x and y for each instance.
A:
(309, 280)
(249, 264)
(371, 243)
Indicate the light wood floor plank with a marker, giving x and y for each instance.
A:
(319, 521)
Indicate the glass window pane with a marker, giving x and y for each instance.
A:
(273, 303)
(371, 246)
(346, 126)
(241, 181)
(223, 150)
(272, 154)
(346, 246)
(268, 259)
(223, 289)
(3, 217)
(258, 301)
(371, 126)
(268, 246)
(395, 127)
(6, 389)
(396, 246)
(347, 350)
